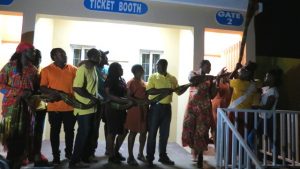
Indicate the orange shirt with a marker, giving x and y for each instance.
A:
(60, 79)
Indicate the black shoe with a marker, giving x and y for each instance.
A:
(132, 161)
(150, 164)
(68, 156)
(56, 161)
(114, 160)
(120, 157)
(91, 159)
(78, 165)
(166, 160)
(42, 164)
(142, 158)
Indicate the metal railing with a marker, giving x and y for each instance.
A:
(279, 139)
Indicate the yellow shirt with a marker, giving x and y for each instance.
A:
(239, 89)
(159, 81)
(90, 79)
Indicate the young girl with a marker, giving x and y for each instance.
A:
(116, 90)
(136, 116)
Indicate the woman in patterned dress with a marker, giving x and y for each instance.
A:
(198, 117)
(18, 79)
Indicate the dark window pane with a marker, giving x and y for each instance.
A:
(156, 57)
(85, 53)
(76, 57)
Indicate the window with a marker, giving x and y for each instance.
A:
(148, 61)
(80, 53)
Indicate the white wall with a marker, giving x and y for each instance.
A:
(124, 42)
(196, 17)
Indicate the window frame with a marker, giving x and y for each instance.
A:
(151, 64)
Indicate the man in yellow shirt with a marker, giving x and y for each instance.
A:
(85, 86)
(160, 112)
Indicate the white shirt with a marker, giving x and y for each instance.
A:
(266, 92)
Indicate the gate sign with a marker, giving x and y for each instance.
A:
(229, 18)
(5, 2)
(117, 6)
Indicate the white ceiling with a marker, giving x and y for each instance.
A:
(240, 5)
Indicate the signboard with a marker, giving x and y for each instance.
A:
(5, 2)
(229, 18)
(117, 6)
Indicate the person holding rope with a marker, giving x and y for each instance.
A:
(17, 83)
(86, 91)
(159, 116)
(198, 118)
(59, 76)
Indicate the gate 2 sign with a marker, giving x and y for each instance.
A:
(229, 18)
(5, 2)
(117, 6)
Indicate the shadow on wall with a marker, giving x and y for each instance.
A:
(289, 91)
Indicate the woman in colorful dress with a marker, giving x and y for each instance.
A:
(17, 81)
(198, 117)
(137, 115)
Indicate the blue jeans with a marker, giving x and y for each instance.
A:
(83, 147)
(159, 117)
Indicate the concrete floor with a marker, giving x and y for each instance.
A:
(181, 157)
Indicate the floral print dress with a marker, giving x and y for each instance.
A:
(198, 118)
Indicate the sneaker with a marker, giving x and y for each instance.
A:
(166, 160)
(120, 157)
(78, 165)
(142, 158)
(131, 161)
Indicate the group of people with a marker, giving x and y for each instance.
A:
(96, 91)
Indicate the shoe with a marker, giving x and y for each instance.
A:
(120, 157)
(132, 161)
(78, 165)
(25, 162)
(114, 160)
(43, 158)
(150, 164)
(68, 156)
(91, 159)
(142, 158)
(42, 163)
(56, 162)
(166, 160)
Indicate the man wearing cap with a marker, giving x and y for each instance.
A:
(102, 71)
(17, 82)
(59, 76)
(85, 90)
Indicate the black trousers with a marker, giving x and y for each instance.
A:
(56, 119)
(159, 117)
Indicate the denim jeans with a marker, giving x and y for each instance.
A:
(56, 119)
(159, 117)
(83, 147)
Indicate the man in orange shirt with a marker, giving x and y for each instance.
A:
(59, 76)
